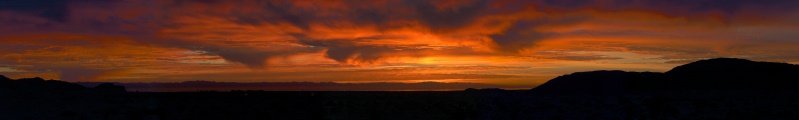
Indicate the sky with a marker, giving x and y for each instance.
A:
(506, 42)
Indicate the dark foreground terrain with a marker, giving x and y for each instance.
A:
(397, 105)
(722, 88)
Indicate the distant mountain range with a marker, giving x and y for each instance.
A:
(298, 86)
(40, 87)
(719, 76)
(39, 84)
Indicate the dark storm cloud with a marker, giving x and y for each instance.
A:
(522, 35)
(55, 10)
(567, 4)
(562, 12)
(274, 13)
(517, 38)
(448, 19)
(345, 51)
(729, 9)
(250, 56)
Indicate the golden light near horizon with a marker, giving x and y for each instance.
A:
(516, 42)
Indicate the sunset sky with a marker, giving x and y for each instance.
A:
(506, 42)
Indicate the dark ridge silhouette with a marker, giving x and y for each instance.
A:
(39, 86)
(297, 86)
(603, 82)
(735, 74)
(4, 78)
(720, 88)
(712, 76)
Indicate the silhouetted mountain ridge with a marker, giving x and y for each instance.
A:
(40, 87)
(4, 78)
(733, 73)
(712, 76)
(200, 85)
(603, 82)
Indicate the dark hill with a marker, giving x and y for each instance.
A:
(39, 86)
(735, 74)
(4, 78)
(712, 76)
(597, 83)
